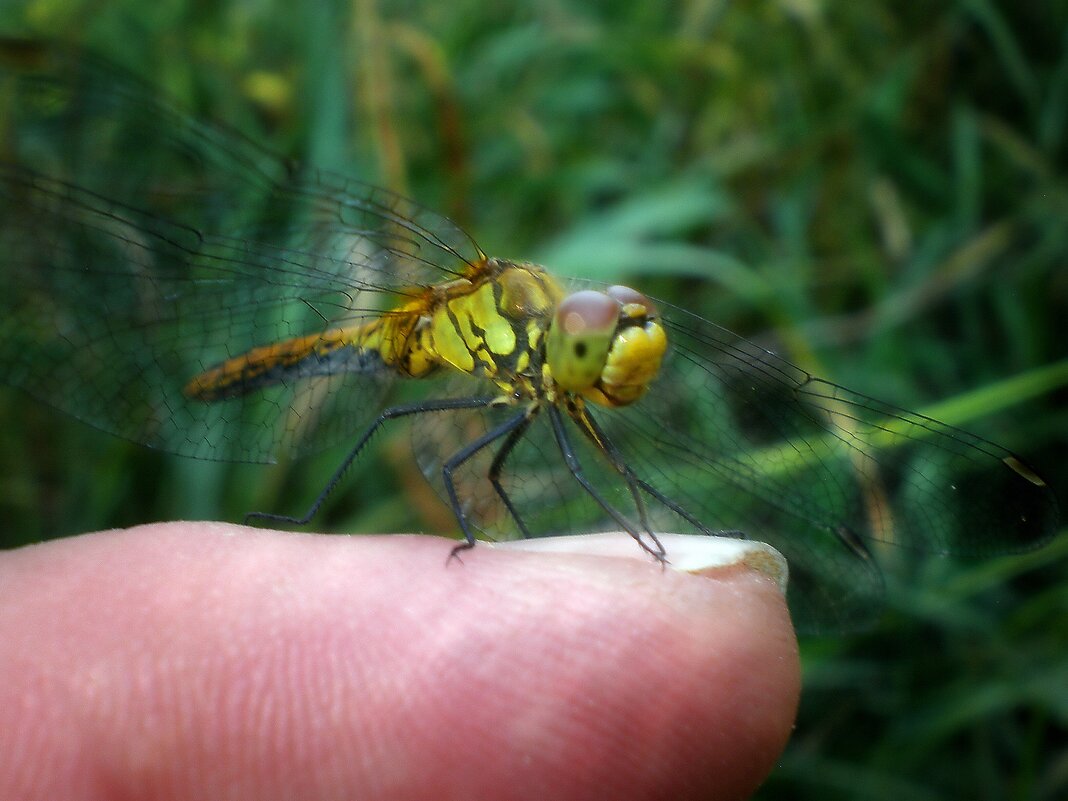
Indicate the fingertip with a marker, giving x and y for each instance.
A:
(189, 657)
(698, 671)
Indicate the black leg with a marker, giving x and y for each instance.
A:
(573, 465)
(451, 404)
(685, 515)
(498, 465)
(508, 428)
(596, 435)
(600, 438)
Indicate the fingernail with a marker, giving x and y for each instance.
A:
(687, 553)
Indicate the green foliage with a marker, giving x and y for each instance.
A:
(875, 190)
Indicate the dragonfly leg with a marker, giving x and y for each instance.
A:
(568, 452)
(597, 435)
(494, 474)
(603, 443)
(512, 428)
(588, 425)
(392, 413)
(681, 511)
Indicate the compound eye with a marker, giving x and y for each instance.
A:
(588, 312)
(580, 337)
(632, 297)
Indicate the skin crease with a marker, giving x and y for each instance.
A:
(204, 660)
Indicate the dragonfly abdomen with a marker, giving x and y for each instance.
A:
(343, 350)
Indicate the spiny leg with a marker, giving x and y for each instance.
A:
(681, 511)
(566, 450)
(494, 474)
(853, 541)
(507, 428)
(451, 404)
(602, 442)
(596, 433)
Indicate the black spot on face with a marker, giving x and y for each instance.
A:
(580, 349)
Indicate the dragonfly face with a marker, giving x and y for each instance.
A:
(171, 282)
(607, 346)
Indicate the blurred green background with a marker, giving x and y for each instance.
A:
(876, 190)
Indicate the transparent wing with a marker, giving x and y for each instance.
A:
(139, 246)
(821, 451)
(834, 586)
(733, 438)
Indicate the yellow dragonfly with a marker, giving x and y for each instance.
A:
(170, 281)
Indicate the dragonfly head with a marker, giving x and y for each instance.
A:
(606, 346)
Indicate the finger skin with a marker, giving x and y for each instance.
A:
(199, 660)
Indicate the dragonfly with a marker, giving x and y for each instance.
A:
(170, 281)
